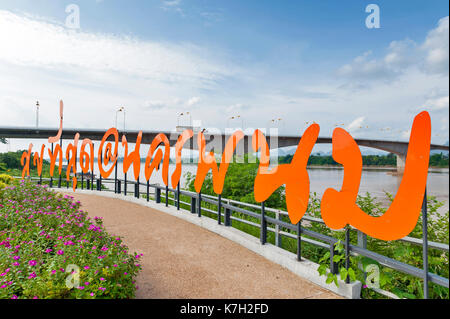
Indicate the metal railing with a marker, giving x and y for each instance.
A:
(281, 228)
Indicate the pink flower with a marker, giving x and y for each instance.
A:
(16, 263)
(32, 275)
(60, 252)
(14, 297)
(48, 250)
(86, 267)
(101, 288)
(32, 262)
(102, 279)
(16, 257)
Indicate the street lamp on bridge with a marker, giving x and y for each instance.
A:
(121, 109)
(37, 114)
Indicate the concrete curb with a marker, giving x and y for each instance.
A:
(305, 269)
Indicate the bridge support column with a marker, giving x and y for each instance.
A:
(401, 159)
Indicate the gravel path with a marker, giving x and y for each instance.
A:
(182, 260)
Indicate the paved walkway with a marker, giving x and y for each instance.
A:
(183, 260)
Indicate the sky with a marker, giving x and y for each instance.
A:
(282, 64)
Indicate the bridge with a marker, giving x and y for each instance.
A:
(214, 141)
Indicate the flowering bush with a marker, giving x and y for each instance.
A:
(49, 248)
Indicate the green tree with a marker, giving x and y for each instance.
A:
(239, 183)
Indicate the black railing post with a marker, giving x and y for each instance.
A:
(136, 188)
(88, 184)
(193, 205)
(263, 230)
(178, 196)
(425, 245)
(67, 181)
(115, 178)
(167, 195)
(333, 265)
(119, 186)
(299, 240)
(219, 209)
(227, 217)
(82, 179)
(347, 252)
(148, 190)
(125, 185)
(51, 177)
(92, 170)
(158, 195)
(60, 176)
(99, 185)
(199, 208)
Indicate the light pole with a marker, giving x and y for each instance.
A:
(236, 117)
(121, 109)
(37, 114)
(182, 114)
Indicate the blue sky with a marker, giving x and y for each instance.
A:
(300, 61)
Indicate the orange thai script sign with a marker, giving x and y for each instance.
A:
(338, 207)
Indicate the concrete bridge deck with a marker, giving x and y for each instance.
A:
(183, 260)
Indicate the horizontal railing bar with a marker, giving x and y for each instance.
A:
(241, 210)
(398, 265)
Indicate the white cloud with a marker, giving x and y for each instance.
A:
(171, 3)
(432, 57)
(193, 100)
(356, 124)
(33, 43)
(436, 48)
(436, 104)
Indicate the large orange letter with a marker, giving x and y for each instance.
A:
(208, 161)
(108, 155)
(72, 160)
(55, 139)
(149, 167)
(294, 175)
(53, 155)
(38, 160)
(186, 135)
(339, 208)
(132, 158)
(25, 161)
(85, 158)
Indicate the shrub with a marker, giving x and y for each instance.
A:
(46, 241)
(6, 179)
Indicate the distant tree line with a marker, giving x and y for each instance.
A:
(436, 160)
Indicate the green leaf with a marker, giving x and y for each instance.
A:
(336, 281)
(330, 278)
(322, 270)
(344, 273)
(337, 258)
(352, 274)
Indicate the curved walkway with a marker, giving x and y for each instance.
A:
(182, 260)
